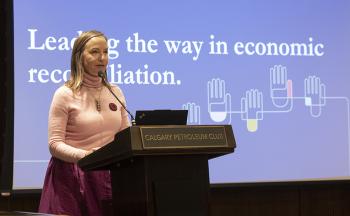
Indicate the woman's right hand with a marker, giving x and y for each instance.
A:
(89, 152)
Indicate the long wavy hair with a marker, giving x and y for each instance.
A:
(76, 65)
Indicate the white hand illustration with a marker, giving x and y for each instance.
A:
(219, 101)
(194, 113)
(280, 87)
(315, 93)
(252, 108)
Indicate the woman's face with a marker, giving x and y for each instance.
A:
(95, 55)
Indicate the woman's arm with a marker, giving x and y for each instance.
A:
(58, 118)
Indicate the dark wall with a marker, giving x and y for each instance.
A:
(27, 201)
(282, 199)
(6, 94)
(292, 199)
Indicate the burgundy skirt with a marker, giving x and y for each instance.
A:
(70, 191)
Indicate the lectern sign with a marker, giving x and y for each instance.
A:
(183, 136)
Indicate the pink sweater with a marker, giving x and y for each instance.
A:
(76, 126)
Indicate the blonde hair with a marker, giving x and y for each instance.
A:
(76, 65)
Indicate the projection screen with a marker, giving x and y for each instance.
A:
(277, 71)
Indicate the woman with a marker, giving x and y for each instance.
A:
(83, 116)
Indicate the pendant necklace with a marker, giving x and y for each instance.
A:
(98, 101)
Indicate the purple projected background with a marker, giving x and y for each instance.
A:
(277, 71)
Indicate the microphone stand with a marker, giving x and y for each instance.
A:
(102, 75)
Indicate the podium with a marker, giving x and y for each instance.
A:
(161, 170)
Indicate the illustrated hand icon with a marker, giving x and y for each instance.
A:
(315, 93)
(219, 102)
(194, 113)
(252, 108)
(280, 87)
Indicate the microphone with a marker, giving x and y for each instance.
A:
(102, 75)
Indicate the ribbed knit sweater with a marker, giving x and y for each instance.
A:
(75, 124)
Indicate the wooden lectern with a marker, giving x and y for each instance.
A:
(161, 170)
